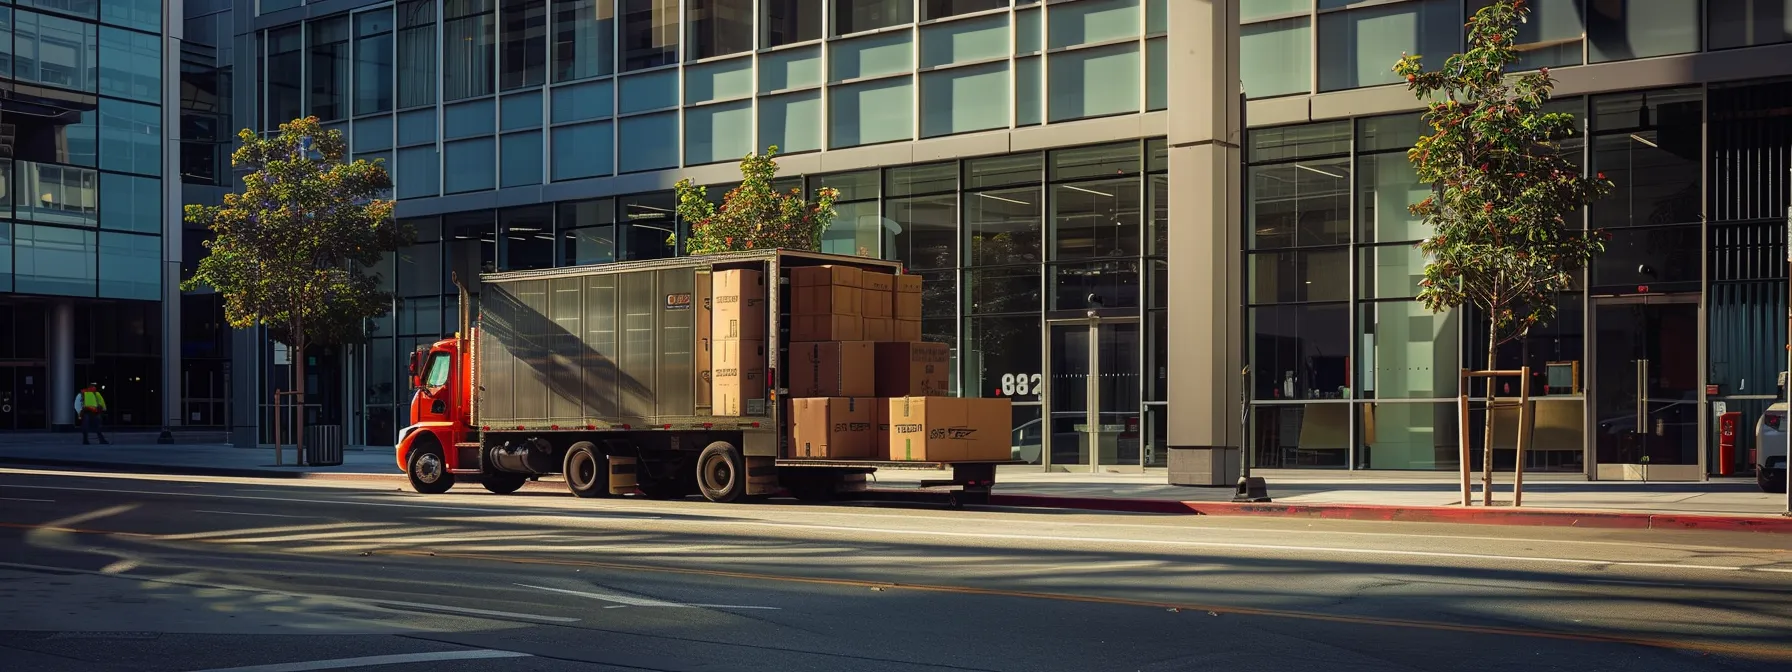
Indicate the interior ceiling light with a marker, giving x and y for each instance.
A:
(1311, 169)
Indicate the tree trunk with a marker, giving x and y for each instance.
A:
(1492, 395)
(298, 423)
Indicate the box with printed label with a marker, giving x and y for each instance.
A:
(821, 276)
(912, 369)
(949, 429)
(907, 284)
(826, 328)
(833, 369)
(832, 428)
(906, 331)
(737, 377)
(738, 296)
(825, 300)
(702, 322)
(876, 294)
(878, 329)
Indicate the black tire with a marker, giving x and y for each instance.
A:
(503, 483)
(428, 470)
(585, 470)
(722, 473)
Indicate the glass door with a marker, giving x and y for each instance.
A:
(1093, 395)
(1646, 388)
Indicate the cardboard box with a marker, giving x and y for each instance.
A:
(833, 369)
(949, 429)
(875, 281)
(837, 428)
(908, 284)
(738, 378)
(905, 331)
(701, 323)
(878, 329)
(876, 294)
(880, 428)
(739, 299)
(821, 276)
(826, 328)
(907, 306)
(825, 300)
(912, 369)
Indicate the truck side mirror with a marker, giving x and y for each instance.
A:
(416, 363)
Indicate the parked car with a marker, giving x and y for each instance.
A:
(1770, 448)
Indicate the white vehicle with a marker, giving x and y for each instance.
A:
(1770, 448)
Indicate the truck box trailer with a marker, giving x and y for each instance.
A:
(614, 376)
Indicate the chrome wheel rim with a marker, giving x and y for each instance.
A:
(429, 467)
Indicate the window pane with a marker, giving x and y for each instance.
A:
(1028, 34)
(130, 203)
(1300, 276)
(329, 68)
(54, 51)
(1276, 58)
(1094, 82)
(930, 178)
(525, 42)
(1656, 178)
(1745, 23)
(1157, 73)
(467, 49)
(130, 266)
(71, 136)
(373, 62)
(1100, 161)
(1622, 31)
(1550, 36)
(130, 137)
(852, 16)
(57, 194)
(649, 142)
(585, 150)
(1359, 47)
(420, 269)
(1005, 226)
(650, 91)
(131, 65)
(594, 241)
(415, 174)
(715, 133)
(1299, 351)
(649, 33)
(584, 39)
(1408, 352)
(1003, 289)
(417, 127)
(581, 101)
(139, 14)
(718, 80)
(1091, 21)
(963, 41)
(857, 186)
(1114, 283)
(857, 230)
(789, 69)
(1003, 171)
(1029, 83)
(1662, 258)
(790, 21)
(1425, 435)
(1002, 358)
(648, 221)
(719, 27)
(521, 157)
(468, 119)
(416, 53)
(1300, 204)
(791, 122)
(966, 99)
(1299, 142)
(528, 238)
(1391, 271)
(938, 9)
(473, 164)
(883, 54)
(54, 260)
(1157, 236)
(926, 230)
(1387, 184)
(1249, 10)
(1096, 219)
(519, 110)
(471, 248)
(872, 112)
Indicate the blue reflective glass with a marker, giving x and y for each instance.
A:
(130, 203)
(582, 101)
(416, 172)
(417, 127)
(55, 51)
(522, 110)
(63, 195)
(130, 137)
(879, 111)
(649, 142)
(791, 122)
(130, 65)
(466, 120)
(130, 266)
(373, 134)
(54, 260)
(720, 132)
(521, 159)
(652, 91)
(790, 69)
(965, 99)
(473, 167)
(584, 150)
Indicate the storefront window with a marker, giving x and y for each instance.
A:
(1407, 351)
(1300, 351)
(1300, 204)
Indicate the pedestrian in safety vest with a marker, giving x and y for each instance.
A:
(90, 404)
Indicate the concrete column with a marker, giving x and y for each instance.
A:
(1205, 315)
(62, 366)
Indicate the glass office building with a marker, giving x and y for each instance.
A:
(1018, 154)
(89, 189)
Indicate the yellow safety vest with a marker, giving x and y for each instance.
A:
(93, 400)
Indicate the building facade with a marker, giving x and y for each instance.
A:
(89, 210)
(1072, 179)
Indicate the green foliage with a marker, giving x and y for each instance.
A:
(1502, 186)
(753, 216)
(290, 247)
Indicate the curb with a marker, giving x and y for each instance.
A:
(165, 469)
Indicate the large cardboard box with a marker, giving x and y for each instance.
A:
(907, 284)
(912, 369)
(908, 306)
(826, 328)
(820, 276)
(907, 331)
(836, 428)
(877, 295)
(880, 428)
(949, 429)
(825, 300)
(833, 369)
(738, 378)
(739, 299)
(703, 323)
(878, 329)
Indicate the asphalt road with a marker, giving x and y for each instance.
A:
(113, 572)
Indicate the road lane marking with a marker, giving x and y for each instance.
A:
(370, 661)
(338, 502)
(246, 513)
(467, 610)
(627, 601)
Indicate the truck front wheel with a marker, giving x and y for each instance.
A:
(585, 473)
(428, 471)
(721, 473)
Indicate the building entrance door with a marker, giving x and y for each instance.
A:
(1646, 389)
(1092, 395)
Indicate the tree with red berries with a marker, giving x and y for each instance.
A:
(1502, 187)
(754, 215)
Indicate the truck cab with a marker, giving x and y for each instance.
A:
(440, 416)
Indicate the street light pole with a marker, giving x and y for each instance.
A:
(1787, 378)
(1250, 488)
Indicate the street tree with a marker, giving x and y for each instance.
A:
(754, 216)
(1503, 190)
(291, 249)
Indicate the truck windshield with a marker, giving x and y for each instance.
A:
(435, 374)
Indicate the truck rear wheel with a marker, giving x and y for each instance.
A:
(585, 473)
(721, 473)
(428, 470)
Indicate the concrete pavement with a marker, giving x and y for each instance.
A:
(145, 572)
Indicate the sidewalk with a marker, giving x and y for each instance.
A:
(1550, 499)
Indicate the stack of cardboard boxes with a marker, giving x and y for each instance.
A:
(736, 341)
(864, 386)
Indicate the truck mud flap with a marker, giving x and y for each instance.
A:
(622, 475)
(762, 476)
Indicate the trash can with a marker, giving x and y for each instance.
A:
(323, 445)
